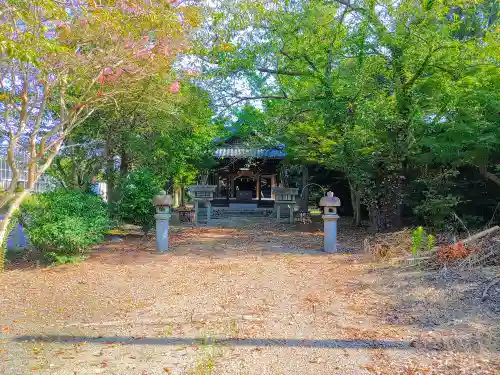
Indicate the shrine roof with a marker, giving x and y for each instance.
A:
(246, 152)
(236, 147)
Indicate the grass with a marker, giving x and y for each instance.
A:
(44, 258)
(233, 328)
(210, 350)
(56, 259)
(166, 331)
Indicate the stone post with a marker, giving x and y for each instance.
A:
(196, 211)
(162, 203)
(330, 217)
(209, 210)
(204, 194)
(284, 196)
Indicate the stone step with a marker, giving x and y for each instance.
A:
(233, 212)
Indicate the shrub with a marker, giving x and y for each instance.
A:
(421, 241)
(416, 240)
(136, 193)
(65, 222)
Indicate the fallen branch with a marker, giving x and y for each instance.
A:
(481, 234)
(416, 260)
(489, 286)
(474, 258)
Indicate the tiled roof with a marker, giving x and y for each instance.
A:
(243, 152)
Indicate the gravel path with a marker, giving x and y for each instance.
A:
(223, 302)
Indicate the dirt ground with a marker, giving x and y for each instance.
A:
(250, 301)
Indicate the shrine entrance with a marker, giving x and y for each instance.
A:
(245, 187)
(244, 176)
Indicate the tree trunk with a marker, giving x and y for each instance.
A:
(182, 195)
(374, 213)
(356, 203)
(386, 206)
(75, 183)
(110, 173)
(32, 167)
(304, 203)
(6, 221)
(124, 163)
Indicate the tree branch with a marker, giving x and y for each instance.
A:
(287, 55)
(33, 154)
(310, 63)
(14, 137)
(241, 99)
(422, 67)
(283, 72)
(490, 176)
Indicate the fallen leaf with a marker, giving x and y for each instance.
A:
(317, 360)
(36, 350)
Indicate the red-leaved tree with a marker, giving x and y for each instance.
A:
(61, 61)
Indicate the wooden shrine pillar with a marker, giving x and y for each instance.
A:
(273, 185)
(217, 183)
(231, 194)
(257, 188)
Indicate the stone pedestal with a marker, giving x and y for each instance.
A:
(162, 203)
(330, 233)
(330, 217)
(162, 221)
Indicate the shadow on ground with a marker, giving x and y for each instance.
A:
(332, 343)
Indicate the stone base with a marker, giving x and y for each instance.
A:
(248, 206)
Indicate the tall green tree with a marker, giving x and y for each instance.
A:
(352, 85)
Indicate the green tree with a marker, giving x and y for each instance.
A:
(61, 62)
(351, 85)
(172, 135)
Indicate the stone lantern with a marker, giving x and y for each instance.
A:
(162, 203)
(330, 217)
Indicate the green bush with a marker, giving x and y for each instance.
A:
(420, 241)
(65, 222)
(136, 193)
